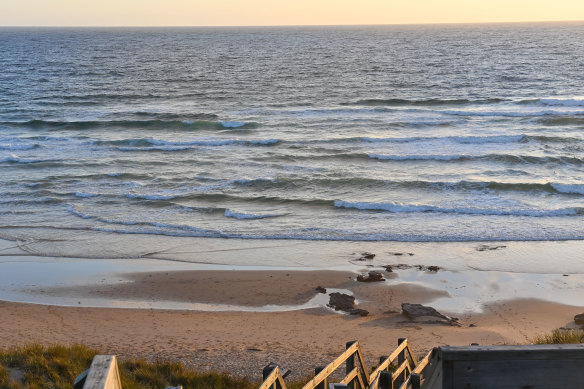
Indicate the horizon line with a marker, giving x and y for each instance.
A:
(296, 25)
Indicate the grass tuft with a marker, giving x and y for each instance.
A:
(561, 336)
(57, 366)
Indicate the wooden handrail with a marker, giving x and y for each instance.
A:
(417, 370)
(404, 366)
(334, 365)
(358, 372)
(364, 370)
(351, 376)
(389, 360)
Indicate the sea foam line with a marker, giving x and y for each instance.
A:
(421, 208)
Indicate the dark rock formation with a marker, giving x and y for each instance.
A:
(416, 311)
(320, 289)
(486, 247)
(344, 302)
(579, 319)
(373, 276)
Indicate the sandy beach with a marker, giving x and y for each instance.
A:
(243, 342)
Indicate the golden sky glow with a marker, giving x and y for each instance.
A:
(279, 12)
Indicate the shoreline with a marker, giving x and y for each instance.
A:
(237, 318)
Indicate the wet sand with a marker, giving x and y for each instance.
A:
(243, 342)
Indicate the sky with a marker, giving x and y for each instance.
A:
(280, 12)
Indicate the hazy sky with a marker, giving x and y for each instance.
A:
(279, 12)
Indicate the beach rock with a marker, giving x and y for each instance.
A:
(486, 247)
(373, 276)
(341, 302)
(320, 289)
(579, 319)
(416, 311)
(433, 268)
(366, 256)
(397, 254)
(344, 302)
(389, 269)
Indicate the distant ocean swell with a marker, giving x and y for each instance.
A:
(262, 136)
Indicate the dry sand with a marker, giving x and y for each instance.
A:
(243, 342)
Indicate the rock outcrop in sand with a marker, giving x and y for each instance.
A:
(373, 276)
(344, 302)
(417, 311)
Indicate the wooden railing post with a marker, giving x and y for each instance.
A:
(266, 373)
(382, 359)
(103, 373)
(323, 384)
(415, 380)
(350, 365)
(401, 358)
(385, 378)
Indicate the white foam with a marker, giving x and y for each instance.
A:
(85, 194)
(416, 208)
(150, 197)
(247, 216)
(155, 148)
(16, 159)
(416, 157)
(13, 147)
(232, 124)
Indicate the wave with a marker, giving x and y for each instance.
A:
(565, 120)
(561, 102)
(421, 208)
(139, 124)
(432, 102)
(568, 188)
(153, 197)
(507, 158)
(149, 144)
(248, 216)
(422, 102)
(13, 147)
(174, 116)
(364, 182)
(512, 114)
(469, 139)
(17, 159)
(156, 148)
(85, 194)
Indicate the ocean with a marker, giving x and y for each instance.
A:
(433, 133)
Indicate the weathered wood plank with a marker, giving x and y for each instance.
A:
(529, 352)
(103, 373)
(510, 374)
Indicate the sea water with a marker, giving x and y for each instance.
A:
(379, 133)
